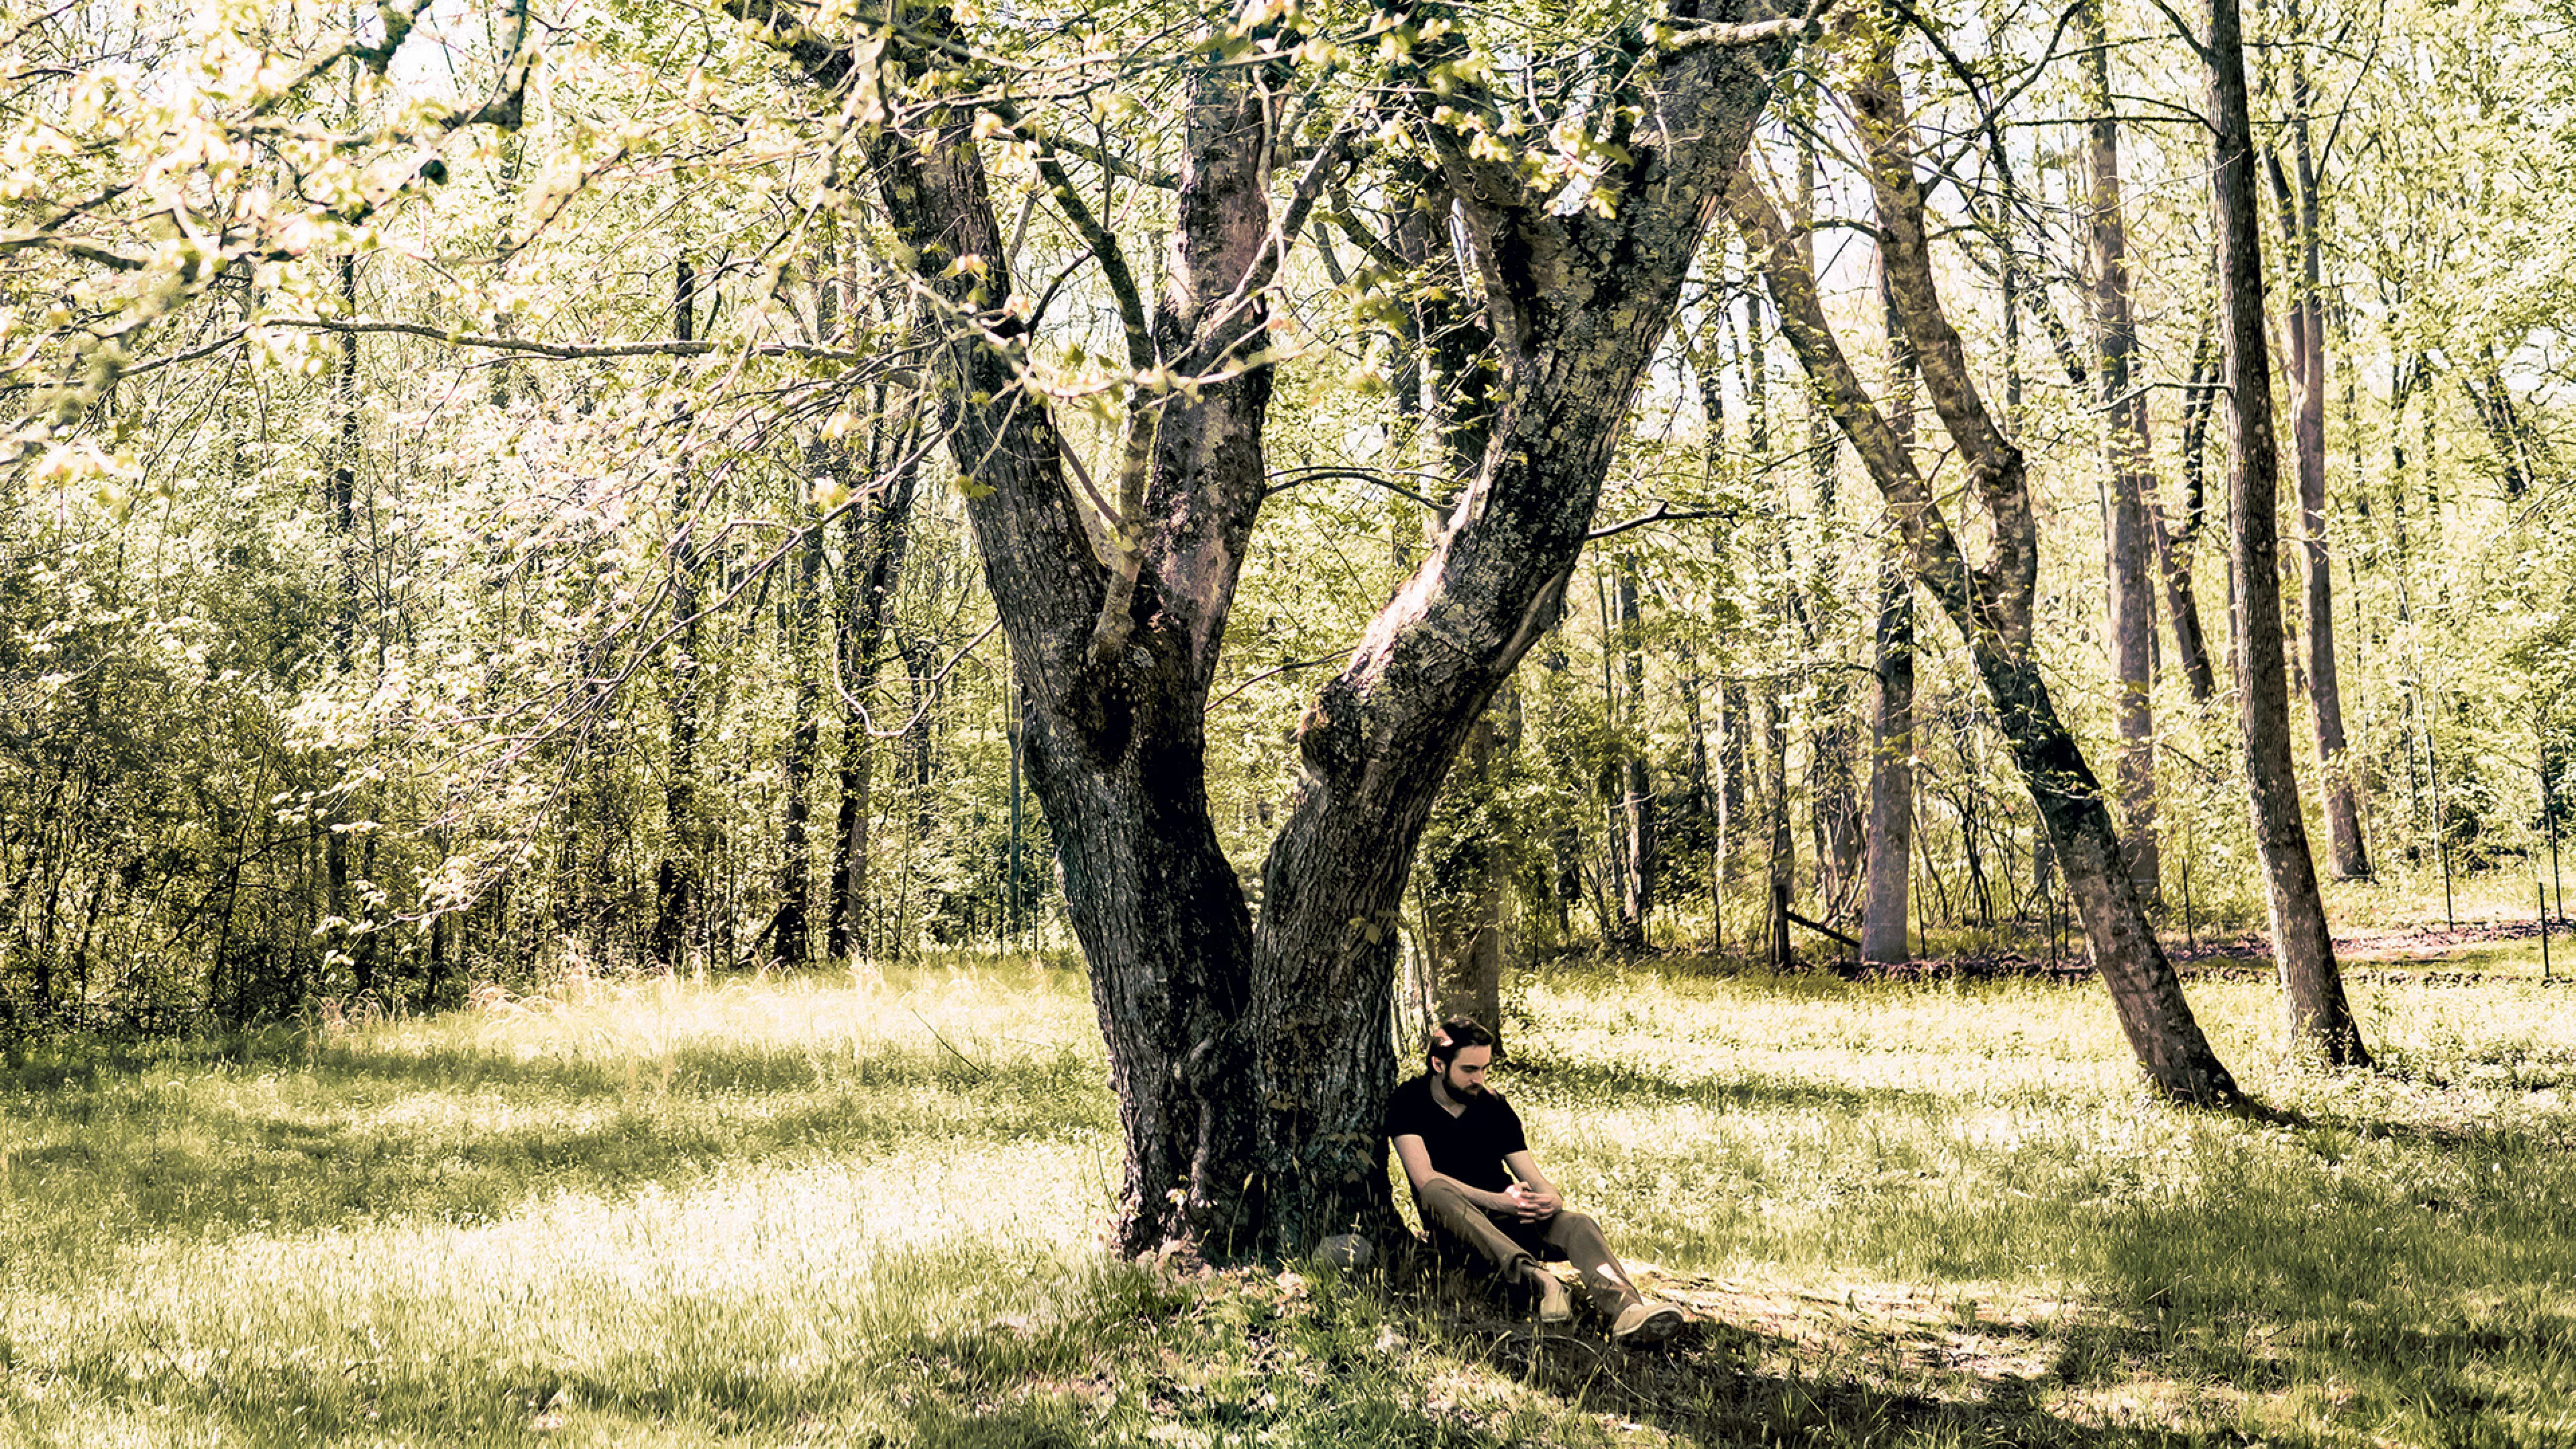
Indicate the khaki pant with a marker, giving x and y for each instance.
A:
(1514, 1247)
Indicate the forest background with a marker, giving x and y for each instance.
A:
(503, 498)
(437, 548)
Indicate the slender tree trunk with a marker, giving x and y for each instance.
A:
(1636, 813)
(1580, 304)
(677, 881)
(793, 927)
(874, 539)
(1782, 877)
(2174, 542)
(1726, 782)
(2129, 481)
(1891, 785)
(1782, 846)
(2320, 1019)
(338, 937)
(2307, 365)
(1835, 814)
(1891, 782)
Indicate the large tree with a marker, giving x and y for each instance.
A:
(1250, 1059)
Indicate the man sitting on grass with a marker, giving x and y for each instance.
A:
(1481, 1192)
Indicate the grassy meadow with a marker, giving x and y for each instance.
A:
(863, 1210)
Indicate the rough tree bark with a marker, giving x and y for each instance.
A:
(1991, 606)
(1578, 304)
(2321, 1020)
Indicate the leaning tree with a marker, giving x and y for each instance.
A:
(1992, 604)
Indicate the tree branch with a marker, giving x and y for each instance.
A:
(575, 351)
(1663, 512)
(1723, 36)
(1995, 465)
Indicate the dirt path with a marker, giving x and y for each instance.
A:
(2400, 949)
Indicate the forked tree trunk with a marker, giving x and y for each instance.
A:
(1991, 606)
(1113, 744)
(1251, 1066)
(1579, 305)
(2321, 1020)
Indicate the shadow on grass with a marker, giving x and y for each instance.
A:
(1703, 1384)
(1390, 1357)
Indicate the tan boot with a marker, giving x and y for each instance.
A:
(1555, 1305)
(1639, 1324)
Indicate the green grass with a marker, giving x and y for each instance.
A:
(838, 1211)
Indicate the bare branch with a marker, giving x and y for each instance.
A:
(1718, 36)
(570, 351)
(1663, 512)
(87, 251)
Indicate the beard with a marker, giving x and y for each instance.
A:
(1461, 1092)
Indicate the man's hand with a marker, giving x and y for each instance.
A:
(1534, 1203)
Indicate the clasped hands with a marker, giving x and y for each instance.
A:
(1532, 1202)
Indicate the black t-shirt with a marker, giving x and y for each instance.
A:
(1470, 1146)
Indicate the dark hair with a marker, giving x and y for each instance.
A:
(1455, 1034)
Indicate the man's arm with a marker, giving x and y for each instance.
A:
(1535, 1198)
(1417, 1170)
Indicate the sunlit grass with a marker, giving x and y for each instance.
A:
(862, 1210)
